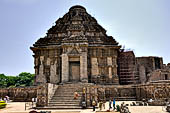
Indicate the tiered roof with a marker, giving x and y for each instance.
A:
(76, 26)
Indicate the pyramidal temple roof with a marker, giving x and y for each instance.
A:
(74, 27)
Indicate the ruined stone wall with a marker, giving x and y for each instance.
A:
(103, 65)
(106, 92)
(51, 90)
(126, 68)
(43, 93)
(146, 65)
(21, 94)
(154, 90)
(47, 66)
(160, 74)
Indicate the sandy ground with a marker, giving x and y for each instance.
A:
(19, 107)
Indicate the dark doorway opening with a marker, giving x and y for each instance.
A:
(166, 76)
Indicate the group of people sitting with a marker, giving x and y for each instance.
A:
(6, 99)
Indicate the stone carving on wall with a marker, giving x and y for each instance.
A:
(42, 96)
(40, 78)
(54, 77)
(19, 94)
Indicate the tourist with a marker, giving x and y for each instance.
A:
(110, 104)
(75, 95)
(104, 104)
(93, 104)
(7, 98)
(100, 105)
(84, 90)
(114, 102)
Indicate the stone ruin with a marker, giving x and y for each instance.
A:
(77, 53)
(77, 49)
(19, 94)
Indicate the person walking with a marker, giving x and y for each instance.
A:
(114, 102)
(110, 104)
(93, 104)
(104, 105)
(100, 105)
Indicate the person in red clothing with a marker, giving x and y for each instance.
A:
(75, 95)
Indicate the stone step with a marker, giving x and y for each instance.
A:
(66, 95)
(126, 98)
(50, 104)
(70, 87)
(76, 86)
(80, 92)
(68, 90)
(59, 102)
(71, 94)
(65, 98)
(62, 107)
(66, 102)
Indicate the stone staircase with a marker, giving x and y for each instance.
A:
(63, 97)
(125, 98)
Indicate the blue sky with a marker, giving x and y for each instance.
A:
(141, 25)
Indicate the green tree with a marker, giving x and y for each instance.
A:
(11, 81)
(25, 79)
(3, 81)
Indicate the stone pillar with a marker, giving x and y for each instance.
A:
(114, 66)
(65, 68)
(83, 67)
(110, 72)
(94, 69)
(110, 64)
(142, 74)
(115, 77)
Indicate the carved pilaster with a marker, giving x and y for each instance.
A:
(94, 69)
(65, 68)
(83, 67)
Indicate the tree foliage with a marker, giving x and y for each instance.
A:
(3, 81)
(23, 79)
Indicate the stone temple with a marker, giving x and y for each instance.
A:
(76, 49)
(77, 55)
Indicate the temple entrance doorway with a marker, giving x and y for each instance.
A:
(74, 71)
